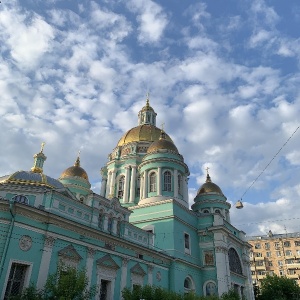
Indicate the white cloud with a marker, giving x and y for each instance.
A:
(151, 18)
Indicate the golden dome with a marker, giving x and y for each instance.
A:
(145, 132)
(209, 187)
(75, 171)
(161, 144)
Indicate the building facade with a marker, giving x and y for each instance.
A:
(139, 230)
(275, 254)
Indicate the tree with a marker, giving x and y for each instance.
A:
(278, 288)
(68, 283)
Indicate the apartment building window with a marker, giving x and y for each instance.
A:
(287, 244)
(271, 273)
(270, 264)
(268, 254)
(288, 253)
(289, 261)
(298, 252)
(267, 246)
(278, 253)
(260, 263)
(291, 272)
(277, 245)
(257, 246)
(258, 254)
(297, 243)
(280, 263)
(281, 273)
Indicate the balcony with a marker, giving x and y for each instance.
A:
(259, 277)
(293, 266)
(260, 268)
(259, 258)
(293, 276)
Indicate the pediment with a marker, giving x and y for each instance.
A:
(70, 253)
(137, 269)
(107, 262)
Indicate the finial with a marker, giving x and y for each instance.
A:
(207, 175)
(77, 162)
(42, 147)
(147, 99)
(162, 126)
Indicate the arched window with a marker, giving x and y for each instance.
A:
(118, 226)
(234, 262)
(100, 220)
(138, 186)
(179, 179)
(217, 211)
(21, 199)
(167, 181)
(152, 177)
(121, 187)
(210, 289)
(206, 211)
(109, 223)
(188, 285)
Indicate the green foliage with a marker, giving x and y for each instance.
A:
(30, 293)
(156, 293)
(68, 284)
(278, 288)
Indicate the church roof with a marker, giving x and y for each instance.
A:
(75, 171)
(29, 177)
(209, 187)
(162, 144)
(145, 132)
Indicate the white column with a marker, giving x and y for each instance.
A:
(142, 188)
(126, 184)
(89, 264)
(123, 275)
(107, 190)
(103, 186)
(112, 185)
(159, 182)
(222, 267)
(45, 262)
(132, 184)
(145, 184)
(175, 179)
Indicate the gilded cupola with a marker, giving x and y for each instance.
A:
(162, 144)
(75, 171)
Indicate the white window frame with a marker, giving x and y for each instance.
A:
(27, 276)
(152, 185)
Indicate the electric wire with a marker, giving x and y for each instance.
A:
(270, 162)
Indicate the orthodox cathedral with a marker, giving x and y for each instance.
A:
(139, 230)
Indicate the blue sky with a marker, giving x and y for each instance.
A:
(222, 75)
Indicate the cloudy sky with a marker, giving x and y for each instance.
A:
(222, 75)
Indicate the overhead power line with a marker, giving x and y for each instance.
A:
(269, 162)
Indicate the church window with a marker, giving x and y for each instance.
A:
(187, 243)
(217, 211)
(234, 261)
(210, 289)
(179, 178)
(100, 220)
(21, 199)
(167, 181)
(109, 223)
(121, 187)
(206, 211)
(118, 226)
(138, 186)
(16, 280)
(152, 182)
(188, 285)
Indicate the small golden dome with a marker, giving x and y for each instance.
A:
(145, 132)
(75, 171)
(147, 106)
(161, 144)
(209, 187)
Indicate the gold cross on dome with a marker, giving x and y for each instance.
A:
(42, 146)
(207, 168)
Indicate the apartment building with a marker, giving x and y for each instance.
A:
(275, 254)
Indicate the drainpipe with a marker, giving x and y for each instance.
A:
(9, 234)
